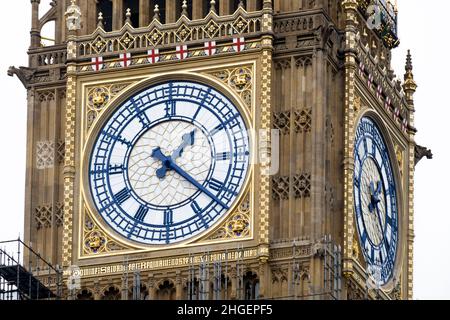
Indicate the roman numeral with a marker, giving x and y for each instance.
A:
(365, 145)
(223, 156)
(117, 169)
(168, 217)
(141, 213)
(196, 208)
(122, 196)
(171, 108)
(216, 185)
(217, 129)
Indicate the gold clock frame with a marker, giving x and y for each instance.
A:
(202, 75)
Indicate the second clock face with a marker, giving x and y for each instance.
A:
(169, 163)
(375, 201)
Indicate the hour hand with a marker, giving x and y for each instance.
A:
(158, 155)
(188, 140)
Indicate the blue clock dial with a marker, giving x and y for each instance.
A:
(375, 201)
(169, 163)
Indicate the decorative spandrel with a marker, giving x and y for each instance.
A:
(98, 97)
(240, 80)
(95, 240)
(238, 225)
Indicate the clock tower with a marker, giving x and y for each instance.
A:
(223, 149)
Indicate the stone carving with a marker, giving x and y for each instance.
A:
(73, 17)
(421, 152)
(302, 185)
(282, 122)
(302, 121)
(280, 188)
(43, 215)
(46, 151)
(24, 74)
(45, 154)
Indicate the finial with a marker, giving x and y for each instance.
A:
(409, 66)
(156, 13)
(213, 6)
(185, 8)
(100, 21)
(128, 17)
(241, 4)
(409, 86)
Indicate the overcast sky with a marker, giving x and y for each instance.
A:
(429, 46)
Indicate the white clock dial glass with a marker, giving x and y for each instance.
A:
(169, 163)
(375, 198)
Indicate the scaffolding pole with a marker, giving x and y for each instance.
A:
(20, 282)
(240, 289)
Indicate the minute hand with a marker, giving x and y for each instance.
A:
(189, 178)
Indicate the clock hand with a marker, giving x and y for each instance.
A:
(168, 164)
(189, 178)
(188, 140)
(158, 155)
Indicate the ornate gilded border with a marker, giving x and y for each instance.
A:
(94, 241)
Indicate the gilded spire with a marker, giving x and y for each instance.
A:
(409, 86)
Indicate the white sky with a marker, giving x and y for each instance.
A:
(429, 48)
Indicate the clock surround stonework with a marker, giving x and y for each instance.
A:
(310, 73)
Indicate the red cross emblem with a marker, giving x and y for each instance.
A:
(210, 48)
(97, 63)
(238, 44)
(182, 52)
(153, 55)
(125, 59)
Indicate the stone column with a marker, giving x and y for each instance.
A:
(251, 5)
(144, 13)
(118, 13)
(179, 286)
(35, 34)
(151, 287)
(225, 7)
(350, 8)
(171, 11)
(198, 12)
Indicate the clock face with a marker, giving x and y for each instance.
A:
(375, 201)
(169, 163)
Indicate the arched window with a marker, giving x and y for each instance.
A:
(105, 7)
(85, 295)
(48, 34)
(166, 291)
(112, 293)
(133, 5)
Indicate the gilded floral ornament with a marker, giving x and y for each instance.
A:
(95, 240)
(238, 224)
(99, 97)
(240, 80)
